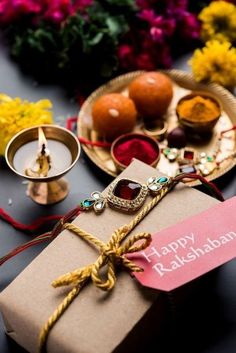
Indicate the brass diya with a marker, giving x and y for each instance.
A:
(59, 151)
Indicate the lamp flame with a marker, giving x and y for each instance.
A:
(42, 143)
(43, 160)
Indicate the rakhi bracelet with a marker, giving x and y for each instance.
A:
(129, 195)
(154, 186)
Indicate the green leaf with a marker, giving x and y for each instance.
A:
(122, 3)
(96, 39)
(113, 25)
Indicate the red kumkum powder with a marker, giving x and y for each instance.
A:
(137, 148)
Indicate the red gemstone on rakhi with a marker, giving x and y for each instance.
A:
(188, 154)
(127, 189)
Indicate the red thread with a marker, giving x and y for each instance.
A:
(43, 237)
(69, 125)
(39, 239)
(95, 144)
(204, 181)
(228, 130)
(70, 121)
(27, 227)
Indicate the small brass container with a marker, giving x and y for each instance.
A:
(127, 137)
(195, 125)
(156, 129)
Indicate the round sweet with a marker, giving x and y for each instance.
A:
(152, 93)
(113, 115)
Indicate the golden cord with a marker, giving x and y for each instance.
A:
(111, 254)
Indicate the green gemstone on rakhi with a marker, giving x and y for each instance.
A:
(166, 151)
(88, 203)
(210, 159)
(162, 180)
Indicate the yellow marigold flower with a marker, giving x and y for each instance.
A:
(218, 21)
(17, 114)
(216, 62)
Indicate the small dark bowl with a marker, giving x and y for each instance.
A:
(199, 126)
(127, 137)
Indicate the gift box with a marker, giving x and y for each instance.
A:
(96, 321)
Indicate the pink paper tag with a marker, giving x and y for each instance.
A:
(189, 249)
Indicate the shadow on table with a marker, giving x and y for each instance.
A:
(100, 174)
(13, 347)
(198, 323)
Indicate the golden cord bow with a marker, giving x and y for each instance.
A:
(111, 254)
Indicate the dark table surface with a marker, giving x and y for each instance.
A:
(206, 323)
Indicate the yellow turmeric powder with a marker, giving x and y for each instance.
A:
(198, 109)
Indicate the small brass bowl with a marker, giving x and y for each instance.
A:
(156, 129)
(199, 126)
(127, 137)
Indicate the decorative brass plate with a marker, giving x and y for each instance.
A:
(183, 84)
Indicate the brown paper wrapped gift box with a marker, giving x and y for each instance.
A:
(96, 322)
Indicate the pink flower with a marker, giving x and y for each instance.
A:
(157, 34)
(55, 11)
(59, 10)
(148, 16)
(81, 4)
(175, 7)
(126, 56)
(124, 50)
(144, 61)
(147, 41)
(160, 27)
(169, 26)
(189, 26)
(143, 4)
(26, 6)
(13, 9)
(158, 21)
(166, 29)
